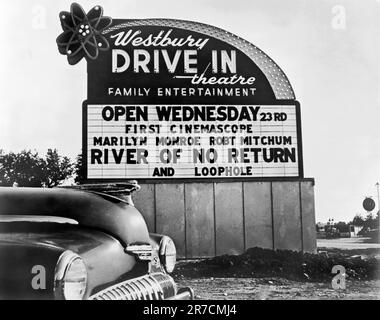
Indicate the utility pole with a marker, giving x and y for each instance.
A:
(378, 203)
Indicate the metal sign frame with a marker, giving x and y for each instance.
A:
(204, 180)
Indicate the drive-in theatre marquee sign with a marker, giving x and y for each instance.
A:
(180, 99)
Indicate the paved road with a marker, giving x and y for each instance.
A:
(347, 243)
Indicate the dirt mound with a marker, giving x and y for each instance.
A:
(258, 262)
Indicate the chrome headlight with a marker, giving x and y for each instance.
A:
(70, 279)
(168, 254)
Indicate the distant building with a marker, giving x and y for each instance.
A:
(354, 230)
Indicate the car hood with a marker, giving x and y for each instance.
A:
(90, 209)
(25, 245)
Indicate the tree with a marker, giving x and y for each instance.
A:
(342, 226)
(56, 169)
(79, 169)
(27, 169)
(24, 168)
(371, 221)
(358, 220)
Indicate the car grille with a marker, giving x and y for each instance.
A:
(157, 286)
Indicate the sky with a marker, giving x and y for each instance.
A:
(329, 49)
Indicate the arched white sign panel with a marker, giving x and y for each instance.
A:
(173, 99)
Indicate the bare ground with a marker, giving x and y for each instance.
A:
(279, 289)
(234, 283)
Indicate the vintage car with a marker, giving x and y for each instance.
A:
(89, 242)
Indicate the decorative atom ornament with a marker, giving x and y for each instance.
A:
(81, 36)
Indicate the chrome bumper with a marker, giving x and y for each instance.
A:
(183, 294)
(156, 286)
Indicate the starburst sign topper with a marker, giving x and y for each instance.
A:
(82, 33)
